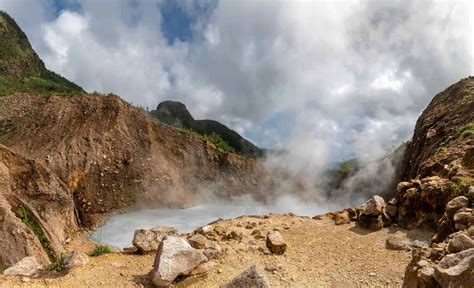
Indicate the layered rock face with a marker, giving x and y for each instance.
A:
(36, 210)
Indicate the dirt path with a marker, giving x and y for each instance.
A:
(319, 254)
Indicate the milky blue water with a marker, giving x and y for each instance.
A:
(118, 230)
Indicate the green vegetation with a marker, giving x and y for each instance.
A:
(58, 266)
(463, 184)
(214, 138)
(31, 222)
(99, 250)
(21, 70)
(48, 83)
(3, 267)
(468, 131)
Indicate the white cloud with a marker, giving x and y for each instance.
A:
(351, 77)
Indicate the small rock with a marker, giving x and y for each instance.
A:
(402, 186)
(459, 243)
(76, 259)
(470, 193)
(342, 218)
(275, 242)
(197, 241)
(27, 266)
(257, 234)
(462, 218)
(233, 235)
(456, 204)
(174, 257)
(252, 277)
(212, 250)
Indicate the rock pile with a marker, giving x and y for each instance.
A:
(449, 263)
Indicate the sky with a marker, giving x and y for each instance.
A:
(326, 80)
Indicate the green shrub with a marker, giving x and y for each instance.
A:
(58, 265)
(99, 250)
(32, 223)
(468, 131)
(214, 138)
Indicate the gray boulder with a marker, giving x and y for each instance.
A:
(456, 270)
(374, 206)
(147, 240)
(456, 204)
(459, 243)
(27, 266)
(174, 257)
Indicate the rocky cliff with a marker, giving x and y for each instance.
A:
(438, 163)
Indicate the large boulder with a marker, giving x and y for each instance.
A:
(459, 243)
(456, 204)
(147, 240)
(253, 277)
(275, 242)
(174, 257)
(27, 266)
(374, 206)
(456, 270)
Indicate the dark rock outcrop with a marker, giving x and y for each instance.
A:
(176, 114)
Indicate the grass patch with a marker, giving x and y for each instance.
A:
(462, 185)
(468, 131)
(214, 138)
(99, 250)
(48, 83)
(3, 267)
(31, 222)
(58, 265)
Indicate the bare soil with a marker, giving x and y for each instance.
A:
(319, 254)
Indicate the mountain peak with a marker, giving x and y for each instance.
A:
(21, 69)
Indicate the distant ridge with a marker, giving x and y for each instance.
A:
(176, 114)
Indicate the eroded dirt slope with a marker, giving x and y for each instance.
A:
(112, 155)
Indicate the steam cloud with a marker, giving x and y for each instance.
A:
(325, 80)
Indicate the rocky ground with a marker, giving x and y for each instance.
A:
(319, 254)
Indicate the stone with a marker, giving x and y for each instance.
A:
(374, 206)
(470, 193)
(252, 277)
(459, 243)
(174, 257)
(462, 218)
(456, 270)
(399, 241)
(391, 209)
(212, 250)
(76, 259)
(373, 223)
(275, 242)
(233, 235)
(27, 266)
(147, 240)
(426, 277)
(197, 241)
(257, 234)
(342, 218)
(402, 186)
(456, 204)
